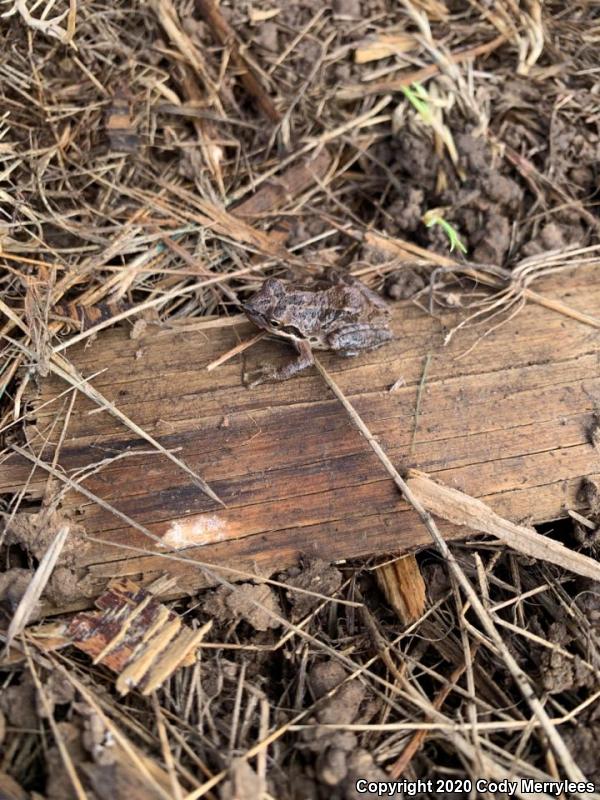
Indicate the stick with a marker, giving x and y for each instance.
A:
(234, 351)
(462, 509)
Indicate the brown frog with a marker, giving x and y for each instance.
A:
(347, 317)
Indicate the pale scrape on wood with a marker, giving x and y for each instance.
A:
(197, 530)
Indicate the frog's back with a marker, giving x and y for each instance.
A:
(356, 302)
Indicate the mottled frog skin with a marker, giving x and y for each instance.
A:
(347, 318)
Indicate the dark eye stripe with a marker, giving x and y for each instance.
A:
(289, 329)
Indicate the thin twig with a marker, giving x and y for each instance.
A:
(235, 351)
(419, 398)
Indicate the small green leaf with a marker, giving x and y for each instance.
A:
(431, 219)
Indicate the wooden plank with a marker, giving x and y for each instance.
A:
(506, 421)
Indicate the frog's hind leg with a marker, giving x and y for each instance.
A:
(271, 373)
(354, 339)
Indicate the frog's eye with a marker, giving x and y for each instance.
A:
(275, 323)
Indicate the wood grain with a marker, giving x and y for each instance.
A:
(507, 421)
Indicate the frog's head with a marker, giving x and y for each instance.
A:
(267, 307)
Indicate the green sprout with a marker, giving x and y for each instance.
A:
(433, 217)
(417, 96)
(431, 114)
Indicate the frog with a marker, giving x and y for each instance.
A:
(346, 318)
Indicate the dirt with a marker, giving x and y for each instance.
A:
(337, 756)
(256, 605)
(115, 148)
(18, 703)
(587, 532)
(497, 209)
(317, 578)
(34, 532)
(561, 670)
(583, 741)
(406, 283)
(30, 535)
(482, 206)
(242, 782)
(13, 585)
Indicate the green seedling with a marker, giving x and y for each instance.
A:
(419, 99)
(431, 114)
(432, 218)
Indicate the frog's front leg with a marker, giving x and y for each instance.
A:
(352, 339)
(269, 372)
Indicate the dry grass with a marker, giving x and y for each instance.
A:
(131, 136)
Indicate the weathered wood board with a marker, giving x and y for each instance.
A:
(507, 421)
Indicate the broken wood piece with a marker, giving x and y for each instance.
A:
(461, 509)
(383, 46)
(136, 636)
(404, 588)
(506, 421)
